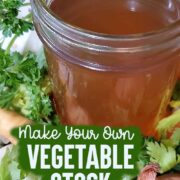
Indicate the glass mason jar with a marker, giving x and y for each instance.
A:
(101, 79)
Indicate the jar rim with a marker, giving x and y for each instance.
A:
(104, 36)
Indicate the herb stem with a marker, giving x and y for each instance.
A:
(25, 4)
(11, 43)
(2, 42)
(27, 17)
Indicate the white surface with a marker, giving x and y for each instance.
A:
(28, 41)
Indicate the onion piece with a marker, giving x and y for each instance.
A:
(149, 172)
(10, 120)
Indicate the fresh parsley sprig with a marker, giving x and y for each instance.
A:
(10, 23)
(24, 86)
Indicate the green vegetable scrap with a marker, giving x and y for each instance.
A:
(167, 124)
(9, 167)
(166, 157)
(24, 86)
(9, 158)
(174, 140)
(166, 152)
(9, 22)
(144, 158)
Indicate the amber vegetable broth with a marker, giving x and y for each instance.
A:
(90, 97)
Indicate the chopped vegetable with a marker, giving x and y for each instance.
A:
(167, 124)
(9, 167)
(5, 172)
(149, 172)
(175, 104)
(174, 140)
(9, 22)
(24, 86)
(10, 120)
(166, 157)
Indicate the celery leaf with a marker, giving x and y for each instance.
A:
(165, 156)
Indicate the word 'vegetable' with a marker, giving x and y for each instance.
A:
(107, 158)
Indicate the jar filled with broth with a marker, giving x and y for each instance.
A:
(111, 62)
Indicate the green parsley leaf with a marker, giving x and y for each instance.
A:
(9, 22)
(25, 87)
